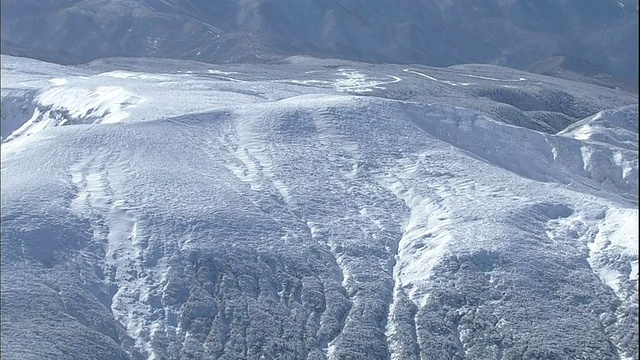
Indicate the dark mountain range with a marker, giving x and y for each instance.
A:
(513, 33)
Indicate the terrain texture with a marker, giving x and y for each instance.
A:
(315, 209)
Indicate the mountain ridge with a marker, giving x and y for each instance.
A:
(438, 33)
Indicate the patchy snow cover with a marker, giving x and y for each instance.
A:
(610, 148)
(615, 127)
(262, 218)
(60, 105)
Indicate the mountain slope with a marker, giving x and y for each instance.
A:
(193, 211)
(46, 94)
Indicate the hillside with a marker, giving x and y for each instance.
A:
(315, 209)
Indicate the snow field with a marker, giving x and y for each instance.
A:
(275, 220)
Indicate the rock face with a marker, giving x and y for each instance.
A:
(307, 210)
(515, 33)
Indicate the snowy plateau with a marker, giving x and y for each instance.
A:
(315, 209)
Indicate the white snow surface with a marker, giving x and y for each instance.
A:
(160, 164)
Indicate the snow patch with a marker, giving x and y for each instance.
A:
(58, 81)
(123, 74)
(355, 81)
(425, 236)
(219, 72)
(59, 106)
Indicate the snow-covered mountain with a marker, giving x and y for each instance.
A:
(601, 34)
(315, 209)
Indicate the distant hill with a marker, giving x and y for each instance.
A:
(516, 33)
